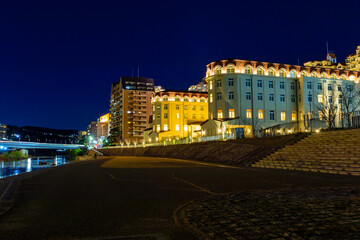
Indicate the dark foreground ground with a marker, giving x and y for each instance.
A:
(149, 198)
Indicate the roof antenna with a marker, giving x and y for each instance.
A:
(327, 47)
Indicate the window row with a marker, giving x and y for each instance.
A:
(260, 114)
(177, 127)
(186, 116)
(177, 107)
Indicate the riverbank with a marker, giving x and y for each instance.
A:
(240, 152)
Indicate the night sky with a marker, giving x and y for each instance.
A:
(59, 58)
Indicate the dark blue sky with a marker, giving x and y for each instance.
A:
(59, 58)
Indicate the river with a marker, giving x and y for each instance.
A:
(12, 168)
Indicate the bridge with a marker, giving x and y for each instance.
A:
(35, 145)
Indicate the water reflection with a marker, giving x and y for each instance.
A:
(11, 168)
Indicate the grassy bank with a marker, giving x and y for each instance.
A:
(241, 152)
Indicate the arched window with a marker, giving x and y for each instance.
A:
(271, 72)
(314, 74)
(352, 78)
(343, 77)
(248, 70)
(324, 75)
(260, 71)
(177, 98)
(230, 69)
(293, 74)
(333, 76)
(304, 73)
(282, 73)
(157, 99)
(194, 99)
(217, 70)
(186, 99)
(202, 99)
(165, 98)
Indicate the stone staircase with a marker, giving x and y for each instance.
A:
(335, 152)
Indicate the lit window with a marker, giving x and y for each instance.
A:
(260, 71)
(165, 127)
(320, 98)
(210, 84)
(248, 113)
(231, 113)
(293, 116)
(185, 127)
(260, 114)
(177, 128)
(230, 69)
(219, 114)
(283, 116)
(282, 73)
(248, 70)
(271, 72)
(211, 97)
(158, 128)
(177, 115)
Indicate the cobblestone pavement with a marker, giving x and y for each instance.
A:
(326, 213)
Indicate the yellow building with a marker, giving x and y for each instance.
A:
(177, 115)
(353, 61)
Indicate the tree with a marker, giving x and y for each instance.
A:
(114, 136)
(349, 101)
(327, 108)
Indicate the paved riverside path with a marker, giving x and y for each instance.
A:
(133, 197)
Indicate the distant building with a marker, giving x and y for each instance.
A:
(100, 128)
(159, 89)
(200, 87)
(3, 131)
(352, 62)
(130, 108)
(177, 115)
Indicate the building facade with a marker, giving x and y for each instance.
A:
(130, 108)
(200, 87)
(256, 96)
(100, 128)
(3, 131)
(353, 60)
(177, 115)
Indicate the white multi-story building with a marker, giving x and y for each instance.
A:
(272, 97)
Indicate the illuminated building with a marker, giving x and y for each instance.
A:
(100, 128)
(200, 87)
(352, 62)
(3, 131)
(177, 115)
(159, 89)
(130, 108)
(246, 95)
